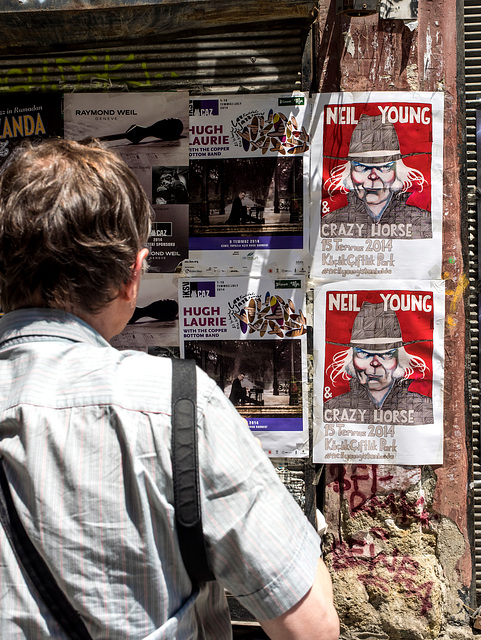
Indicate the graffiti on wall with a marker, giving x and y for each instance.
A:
(372, 488)
(53, 74)
(397, 568)
(383, 493)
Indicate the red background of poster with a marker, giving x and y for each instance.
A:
(415, 325)
(413, 138)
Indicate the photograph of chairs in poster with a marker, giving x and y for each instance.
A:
(246, 203)
(250, 336)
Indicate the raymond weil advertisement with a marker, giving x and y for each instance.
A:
(154, 325)
(151, 133)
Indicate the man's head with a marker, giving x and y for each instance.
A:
(241, 376)
(73, 218)
(373, 153)
(166, 181)
(242, 195)
(375, 340)
(373, 183)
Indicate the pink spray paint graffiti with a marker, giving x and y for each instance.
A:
(370, 488)
(401, 569)
(381, 491)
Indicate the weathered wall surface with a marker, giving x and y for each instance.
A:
(398, 541)
(395, 560)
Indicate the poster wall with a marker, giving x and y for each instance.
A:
(249, 335)
(376, 181)
(150, 132)
(379, 372)
(249, 164)
(250, 193)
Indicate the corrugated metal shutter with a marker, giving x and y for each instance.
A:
(265, 61)
(472, 13)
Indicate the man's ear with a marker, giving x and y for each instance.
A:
(130, 289)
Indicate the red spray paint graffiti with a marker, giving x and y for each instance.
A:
(402, 569)
(361, 487)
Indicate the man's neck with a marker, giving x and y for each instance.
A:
(110, 320)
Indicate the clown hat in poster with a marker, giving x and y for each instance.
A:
(378, 185)
(378, 366)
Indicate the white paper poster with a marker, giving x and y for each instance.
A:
(151, 133)
(376, 182)
(249, 164)
(378, 357)
(249, 335)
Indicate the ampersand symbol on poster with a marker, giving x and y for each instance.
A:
(327, 392)
(325, 207)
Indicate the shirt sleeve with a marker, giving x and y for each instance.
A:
(261, 546)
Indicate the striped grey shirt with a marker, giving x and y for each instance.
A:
(88, 462)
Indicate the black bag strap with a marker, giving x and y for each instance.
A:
(28, 557)
(185, 467)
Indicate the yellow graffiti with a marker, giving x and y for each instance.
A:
(4, 81)
(456, 295)
(89, 67)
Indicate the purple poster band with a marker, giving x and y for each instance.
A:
(275, 424)
(245, 244)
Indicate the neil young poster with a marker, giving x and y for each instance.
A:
(379, 364)
(376, 179)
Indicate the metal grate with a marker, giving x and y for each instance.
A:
(472, 20)
(293, 476)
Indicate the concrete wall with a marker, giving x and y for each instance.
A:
(398, 541)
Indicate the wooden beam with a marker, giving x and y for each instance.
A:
(68, 24)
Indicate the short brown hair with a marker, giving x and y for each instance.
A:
(73, 217)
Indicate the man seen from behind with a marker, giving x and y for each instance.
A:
(85, 433)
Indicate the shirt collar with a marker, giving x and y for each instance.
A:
(25, 325)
